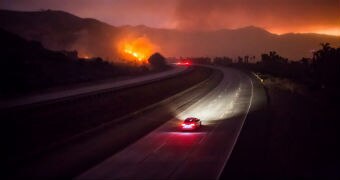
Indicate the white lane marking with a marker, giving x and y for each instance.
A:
(239, 132)
(159, 147)
(227, 86)
(202, 139)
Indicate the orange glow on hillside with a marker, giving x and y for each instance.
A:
(136, 50)
(333, 31)
(86, 57)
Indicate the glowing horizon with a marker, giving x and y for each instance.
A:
(275, 16)
(332, 31)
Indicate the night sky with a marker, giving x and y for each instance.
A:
(277, 16)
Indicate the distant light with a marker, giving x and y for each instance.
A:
(183, 63)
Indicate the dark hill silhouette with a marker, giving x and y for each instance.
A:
(26, 66)
(61, 30)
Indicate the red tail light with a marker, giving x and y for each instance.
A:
(183, 63)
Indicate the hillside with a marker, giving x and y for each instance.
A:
(26, 66)
(60, 30)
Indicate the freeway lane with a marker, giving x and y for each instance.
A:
(82, 151)
(169, 153)
(89, 89)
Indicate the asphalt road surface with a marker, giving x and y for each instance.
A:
(170, 153)
(89, 89)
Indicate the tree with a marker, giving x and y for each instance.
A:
(246, 59)
(157, 61)
(273, 58)
(239, 60)
(326, 65)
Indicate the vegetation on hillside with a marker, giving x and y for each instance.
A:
(27, 66)
(322, 71)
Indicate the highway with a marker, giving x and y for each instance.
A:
(170, 153)
(90, 89)
(123, 151)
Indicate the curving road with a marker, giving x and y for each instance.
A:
(169, 153)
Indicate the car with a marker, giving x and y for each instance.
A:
(191, 123)
(185, 63)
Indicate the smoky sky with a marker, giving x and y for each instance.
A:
(278, 16)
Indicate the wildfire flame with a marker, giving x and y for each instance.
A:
(85, 57)
(136, 50)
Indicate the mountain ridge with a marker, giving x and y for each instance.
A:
(62, 30)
